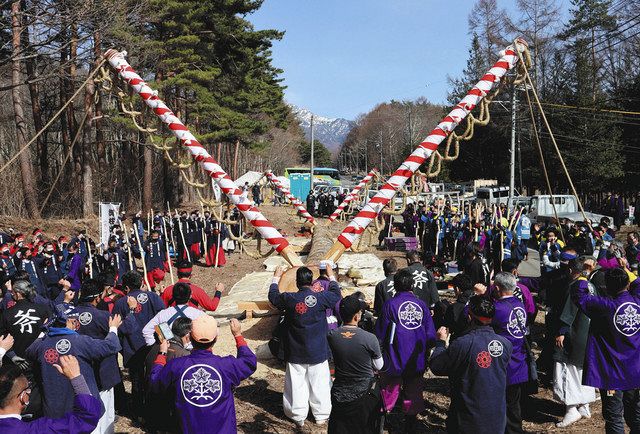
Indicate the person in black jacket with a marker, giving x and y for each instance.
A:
(455, 317)
(476, 364)
(385, 289)
(424, 284)
(476, 267)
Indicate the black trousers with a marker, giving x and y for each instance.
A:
(514, 417)
(138, 382)
(356, 417)
(618, 407)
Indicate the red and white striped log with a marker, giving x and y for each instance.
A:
(211, 167)
(294, 200)
(356, 227)
(353, 194)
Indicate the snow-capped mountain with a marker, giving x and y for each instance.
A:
(331, 132)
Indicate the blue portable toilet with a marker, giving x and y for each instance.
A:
(299, 185)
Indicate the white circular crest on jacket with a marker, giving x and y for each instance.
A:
(85, 318)
(310, 300)
(627, 318)
(142, 298)
(201, 385)
(410, 315)
(517, 324)
(495, 348)
(63, 346)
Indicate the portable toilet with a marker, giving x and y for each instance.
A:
(300, 185)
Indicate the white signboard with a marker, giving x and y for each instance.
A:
(109, 216)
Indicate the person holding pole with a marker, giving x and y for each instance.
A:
(168, 257)
(182, 224)
(143, 256)
(216, 234)
(154, 259)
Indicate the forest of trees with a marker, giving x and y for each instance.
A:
(209, 64)
(215, 70)
(587, 72)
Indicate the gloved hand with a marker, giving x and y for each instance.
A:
(20, 362)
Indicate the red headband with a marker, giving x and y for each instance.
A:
(185, 270)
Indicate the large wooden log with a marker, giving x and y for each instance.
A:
(321, 242)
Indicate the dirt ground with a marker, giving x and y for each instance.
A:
(259, 399)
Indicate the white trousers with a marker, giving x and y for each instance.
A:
(106, 424)
(304, 386)
(567, 385)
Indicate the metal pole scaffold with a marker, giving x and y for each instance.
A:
(209, 164)
(399, 178)
(353, 194)
(294, 200)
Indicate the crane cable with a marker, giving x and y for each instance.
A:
(553, 139)
(544, 165)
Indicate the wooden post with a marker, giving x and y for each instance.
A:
(142, 255)
(166, 246)
(131, 263)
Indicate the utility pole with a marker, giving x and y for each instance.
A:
(366, 156)
(512, 162)
(311, 167)
(381, 171)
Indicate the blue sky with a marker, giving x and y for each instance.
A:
(342, 57)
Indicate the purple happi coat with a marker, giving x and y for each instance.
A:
(612, 359)
(406, 332)
(86, 413)
(203, 384)
(510, 321)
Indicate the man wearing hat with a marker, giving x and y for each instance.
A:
(117, 259)
(80, 239)
(216, 233)
(6, 262)
(27, 264)
(356, 354)
(199, 297)
(181, 296)
(476, 364)
(62, 339)
(18, 243)
(94, 323)
(154, 258)
(203, 382)
(50, 270)
(307, 379)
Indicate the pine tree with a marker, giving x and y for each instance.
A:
(321, 155)
(589, 141)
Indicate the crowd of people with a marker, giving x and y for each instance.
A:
(70, 302)
(322, 203)
(75, 320)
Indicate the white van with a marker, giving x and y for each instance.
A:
(493, 195)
